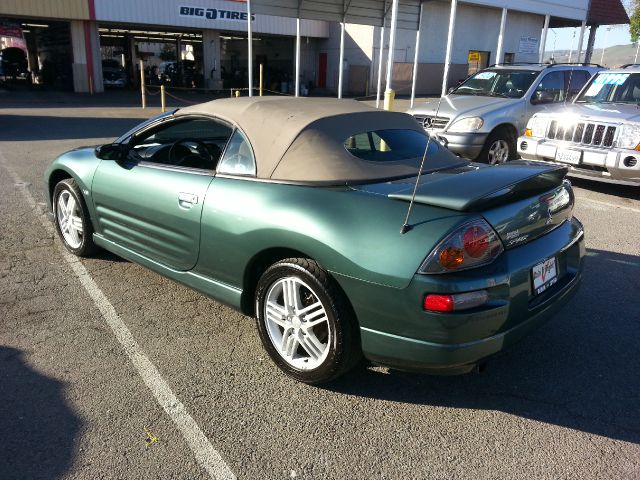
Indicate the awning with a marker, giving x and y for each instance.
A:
(363, 12)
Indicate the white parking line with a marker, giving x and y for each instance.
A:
(205, 454)
(600, 202)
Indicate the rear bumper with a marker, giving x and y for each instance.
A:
(605, 165)
(467, 145)
(396, 332)
(447, 359)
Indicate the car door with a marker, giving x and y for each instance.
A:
(150, 202)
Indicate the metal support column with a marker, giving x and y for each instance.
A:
(389, 93)
(341, 64)
(381, 54)
(500, 47)
(249, 48)
(580, 39)
(447, 60)
(298, 55)
(543, 40)
(415, 59)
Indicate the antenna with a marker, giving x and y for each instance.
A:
(405, 226)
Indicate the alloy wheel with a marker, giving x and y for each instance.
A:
(297, 323)
(498, 152)
(69, 219)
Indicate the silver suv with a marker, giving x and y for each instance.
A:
(597, 135)
(482, 118)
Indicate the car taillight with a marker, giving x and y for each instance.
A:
(471, 245)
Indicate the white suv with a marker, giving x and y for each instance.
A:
(597, 135)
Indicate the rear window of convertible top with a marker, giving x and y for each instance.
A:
(389, 145)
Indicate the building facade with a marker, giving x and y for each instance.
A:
(78, 42)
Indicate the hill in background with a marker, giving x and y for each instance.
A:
(614, 56)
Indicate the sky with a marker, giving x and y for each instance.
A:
(618, 35)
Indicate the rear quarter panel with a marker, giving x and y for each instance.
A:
(351, 233)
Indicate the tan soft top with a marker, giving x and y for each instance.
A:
(302, 139)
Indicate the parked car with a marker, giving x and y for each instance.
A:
(482, 117)
(597, 135)
(300, 226)
(113, 74)
(180, 74)
(14, 65)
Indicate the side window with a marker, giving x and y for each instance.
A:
(550, 89)
(575, 80)
(189, 143)
(238, 157)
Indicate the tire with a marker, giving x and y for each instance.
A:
(318, 340)
(499, 140)
(77, 233)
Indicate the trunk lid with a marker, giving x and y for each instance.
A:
(521, 200)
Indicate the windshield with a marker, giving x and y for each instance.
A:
(612, 88)
(498, 83)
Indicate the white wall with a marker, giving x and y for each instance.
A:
(167, 12)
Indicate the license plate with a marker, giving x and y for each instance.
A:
(569, 156)
(544, 274)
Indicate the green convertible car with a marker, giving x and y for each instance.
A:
(341, 228)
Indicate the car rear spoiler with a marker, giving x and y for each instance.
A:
(486, 187)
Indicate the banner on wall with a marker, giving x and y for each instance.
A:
(528, 45)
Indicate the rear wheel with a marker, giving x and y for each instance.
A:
(72, 219)
(304, 322)
(500, 147)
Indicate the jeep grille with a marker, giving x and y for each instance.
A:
(583, 133)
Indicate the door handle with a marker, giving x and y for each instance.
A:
(187, 200)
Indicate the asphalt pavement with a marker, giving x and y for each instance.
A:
(78, 401)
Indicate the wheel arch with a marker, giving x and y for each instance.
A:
(256, 267)
(55, 177)
(508, 126)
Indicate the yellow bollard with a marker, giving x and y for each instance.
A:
(237, 93)
(162, 99)
(389, 96)
(261, 69)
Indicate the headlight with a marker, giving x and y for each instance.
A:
(469, 124)
(536, 127)
(629, 137)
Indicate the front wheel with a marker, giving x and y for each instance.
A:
(304, 322)
(72, 218)
(499, 148)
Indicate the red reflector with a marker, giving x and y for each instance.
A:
(438, 303)
(476, 241)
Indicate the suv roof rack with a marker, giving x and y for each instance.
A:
(515, 64)
(549, 65)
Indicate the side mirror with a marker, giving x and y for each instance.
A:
(111, 151)
(541, 97)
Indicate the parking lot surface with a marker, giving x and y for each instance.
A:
(77, 399)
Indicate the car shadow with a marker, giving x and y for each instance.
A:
(578, 371)
(38, 429)
(23, 128)
(622, 191)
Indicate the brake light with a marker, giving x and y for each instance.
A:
(471, 245)
(438, 303)
(459, 301)
(475, 241)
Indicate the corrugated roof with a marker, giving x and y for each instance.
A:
(607, 12)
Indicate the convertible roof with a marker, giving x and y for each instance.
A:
(302, 139)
